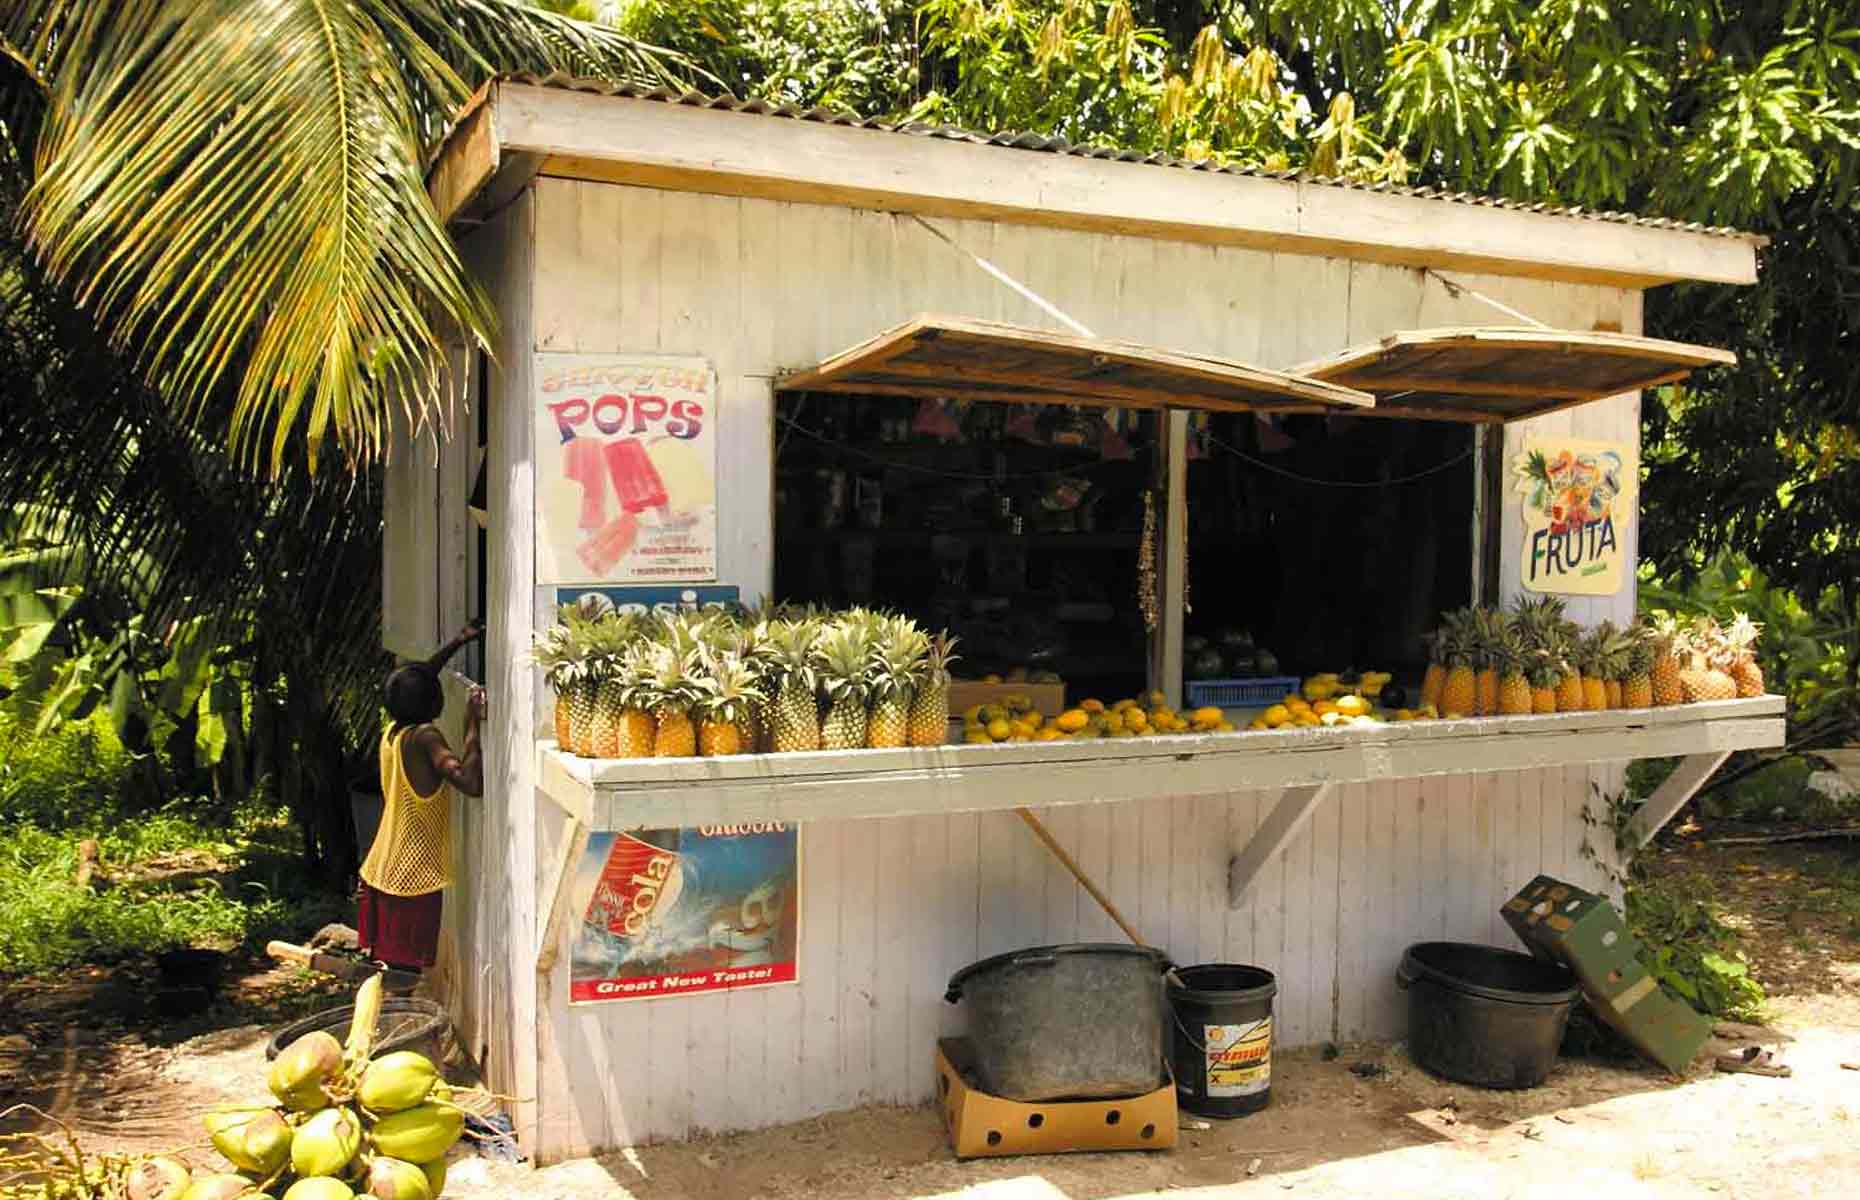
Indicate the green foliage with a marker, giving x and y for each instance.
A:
(79, 772)
(1727, 114)
(1688, 947)
(806, 52)
(284, 321)
(190, 875)
(1686, 108)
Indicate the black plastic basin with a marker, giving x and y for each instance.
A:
(1480, 1015)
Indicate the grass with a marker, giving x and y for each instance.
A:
(195, 873)
(173, 881)
(59, 780)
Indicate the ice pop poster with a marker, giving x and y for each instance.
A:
(626, 469)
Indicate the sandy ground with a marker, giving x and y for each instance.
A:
(1625, 1130)
(1610, 1131)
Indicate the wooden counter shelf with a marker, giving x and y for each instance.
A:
(667, 793)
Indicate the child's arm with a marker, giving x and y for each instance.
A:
(465, 772)
(473, 630)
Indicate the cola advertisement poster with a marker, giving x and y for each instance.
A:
(669, 912)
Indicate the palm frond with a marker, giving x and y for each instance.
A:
(154, 512)
(234, 191)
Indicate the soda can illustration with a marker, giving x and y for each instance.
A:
(639, 883)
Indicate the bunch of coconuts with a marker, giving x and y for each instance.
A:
(346, 1127)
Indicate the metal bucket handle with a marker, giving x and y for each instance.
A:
(1202, 1046)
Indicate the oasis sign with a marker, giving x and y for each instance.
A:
(1578, 502)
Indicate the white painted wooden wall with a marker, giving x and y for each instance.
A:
(487, 941)
(892, 907)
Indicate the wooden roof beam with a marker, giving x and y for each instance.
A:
(677, 147)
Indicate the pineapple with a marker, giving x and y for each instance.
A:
(1637, 679)
(1591, 660)
(895, 664)
(1569, 692)
(608, 642)
(728, 683)
(1617, 660)
(1459, 694)
(581, 682)
(609, 703)
(1547, 639)
(843, 659)
(794, 715)
(637, 728)
(1668, 644)
(1708, 676)
(1544, 673)
(1562, 641)
(1514, 686)
(668, 691)
(758, 656)
(929, 719)
(1488, 626)
(558, 653)
(1741, 639)
(1436, 677)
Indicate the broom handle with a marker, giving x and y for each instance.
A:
(1059, 852)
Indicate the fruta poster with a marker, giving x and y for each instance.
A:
(1578, 505)
(675, 911)
(626, 469)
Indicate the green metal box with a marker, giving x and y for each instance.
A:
(1563, 923)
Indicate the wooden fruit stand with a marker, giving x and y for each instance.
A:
(777, 254)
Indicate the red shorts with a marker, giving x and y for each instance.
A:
(401, 931)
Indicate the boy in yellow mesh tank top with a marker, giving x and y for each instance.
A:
(407, 868)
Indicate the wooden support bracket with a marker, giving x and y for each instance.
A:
(1275, 833)
(1667, 799)
(549, 937)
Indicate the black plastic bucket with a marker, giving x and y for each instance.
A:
(1480, 1015)
(1222, 1048)
(1076, 1022)
(406, 1023)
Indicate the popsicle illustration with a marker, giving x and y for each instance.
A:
(635, 478)
(610, 544)
(581, 462)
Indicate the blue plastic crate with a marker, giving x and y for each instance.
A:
(1239, 693)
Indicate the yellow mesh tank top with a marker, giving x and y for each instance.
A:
(411, 853)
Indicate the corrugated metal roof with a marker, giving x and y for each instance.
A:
(1058, 145)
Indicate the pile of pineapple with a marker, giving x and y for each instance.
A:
(1534, 659)
(347, 1125)
(1015, 719)
(720, 682)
